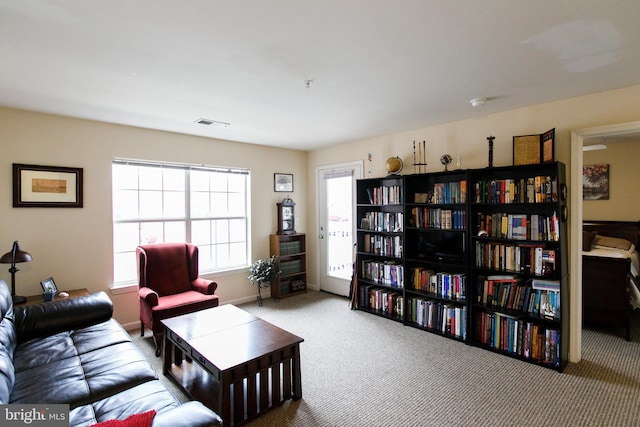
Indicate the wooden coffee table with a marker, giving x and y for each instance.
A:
(243, 366)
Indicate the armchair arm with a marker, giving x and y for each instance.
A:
(48, 318)
(189, 414)
(204, 286)
(149, 295)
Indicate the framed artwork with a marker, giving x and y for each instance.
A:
(534, 149)
(595, 182)
(49, 286)
(526, 150)
(547, 149)
(283, 182)
(46, 186)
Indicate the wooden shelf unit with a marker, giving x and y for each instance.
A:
(292, 262)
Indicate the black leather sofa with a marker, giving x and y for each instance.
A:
(71, 351)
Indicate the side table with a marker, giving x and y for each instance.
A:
(35, 299)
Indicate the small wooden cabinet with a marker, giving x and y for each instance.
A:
(292, 261)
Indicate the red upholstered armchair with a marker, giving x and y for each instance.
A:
(168, 285)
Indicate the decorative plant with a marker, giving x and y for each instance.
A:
(263, 271)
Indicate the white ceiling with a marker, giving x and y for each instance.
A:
(377, 66)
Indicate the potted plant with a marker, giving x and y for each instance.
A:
(263, 271)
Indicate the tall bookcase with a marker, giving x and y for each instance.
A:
(476, 255)
(519, 250)
(292, 261)
(380, 242)
(436, 252)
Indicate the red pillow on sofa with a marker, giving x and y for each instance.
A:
(143, 419)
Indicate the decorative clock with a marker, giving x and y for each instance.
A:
(286, 218)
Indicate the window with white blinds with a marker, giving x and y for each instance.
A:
(161, 202)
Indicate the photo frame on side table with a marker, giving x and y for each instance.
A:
(47, 186)
(49, 286)
(283, 182)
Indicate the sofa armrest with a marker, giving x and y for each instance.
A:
(189, 414)
(48, 318)
(148, 295)
(204, 286)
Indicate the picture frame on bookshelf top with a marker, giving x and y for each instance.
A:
(534, 149)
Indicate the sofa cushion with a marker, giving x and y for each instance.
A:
(80, 366)
(41, 320)
(141, 398)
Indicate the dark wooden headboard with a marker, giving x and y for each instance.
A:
(629, 230)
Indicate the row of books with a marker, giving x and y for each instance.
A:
(446, 219)
(383, 245)
(292, 247)
(444, 193)
(386, 273)
(381, 300)
(448, 319)
(385, 195)
(537, 298)
(519, 226)
(537, 189)
(289, 286)
(444, 285)
(291, 267)
(527, 259)
(523, 338)
(382, 221)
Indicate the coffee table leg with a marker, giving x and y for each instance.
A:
(224, 399)
(167, 346)
(297, 375)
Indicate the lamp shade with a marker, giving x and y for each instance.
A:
(15, 255)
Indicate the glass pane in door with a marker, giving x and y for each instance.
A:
(339, 227)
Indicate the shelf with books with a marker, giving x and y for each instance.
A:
(381, 300)
(437, 316)
(436, 252)
(380, 246)
(518, 262)
(290, 249)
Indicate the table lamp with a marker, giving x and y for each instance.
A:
(12, 257)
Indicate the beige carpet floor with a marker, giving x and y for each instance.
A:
(362, 370)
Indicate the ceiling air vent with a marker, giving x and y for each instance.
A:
(214, 123)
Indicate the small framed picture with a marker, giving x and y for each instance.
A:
(283, 182)
(49, 286)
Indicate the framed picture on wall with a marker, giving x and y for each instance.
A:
(283, 182)
(595, 182)
(46, 186)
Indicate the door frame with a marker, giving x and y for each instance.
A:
(358, 165)
(575, 218)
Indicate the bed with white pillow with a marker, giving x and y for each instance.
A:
(610, 273)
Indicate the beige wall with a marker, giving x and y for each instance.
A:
(467, 138)
(624, 188)
(75, 245)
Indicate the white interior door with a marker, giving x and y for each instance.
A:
(336, 208)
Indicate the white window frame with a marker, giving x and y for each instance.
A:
(124, 248)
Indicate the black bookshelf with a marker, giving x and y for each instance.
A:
(436, 262)
(518, 268)
(429, 247)
(380, 244)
